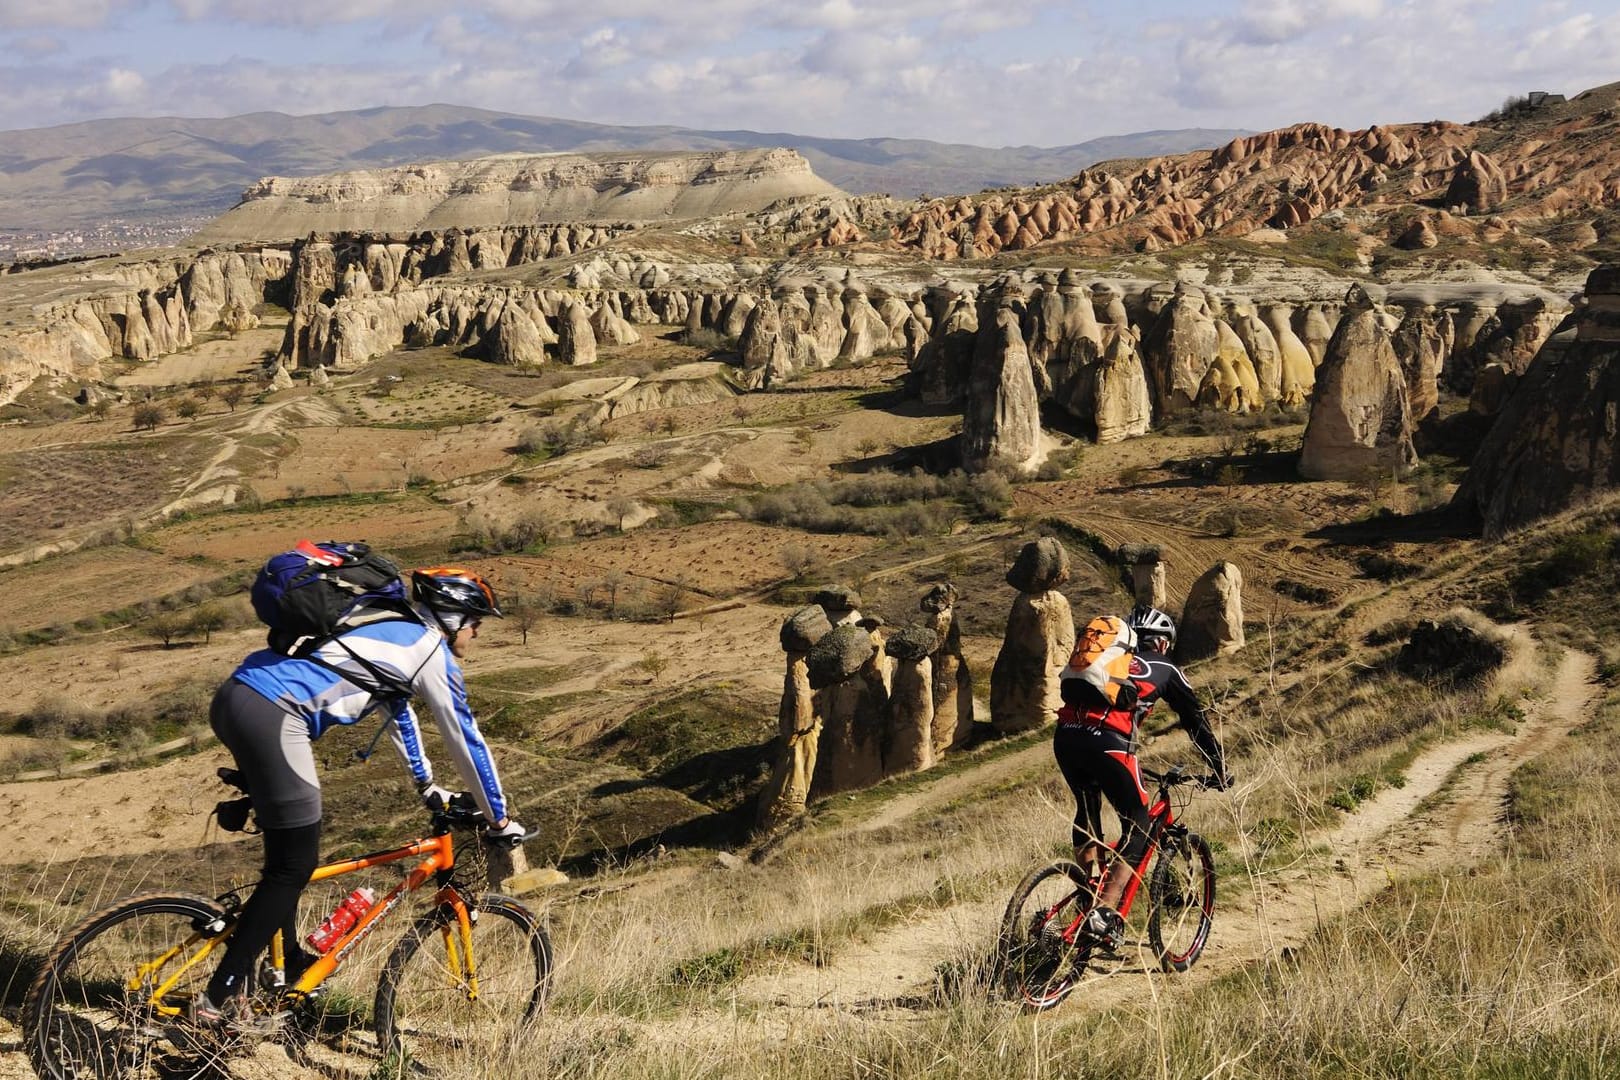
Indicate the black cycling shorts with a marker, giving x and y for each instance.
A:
(273, 752)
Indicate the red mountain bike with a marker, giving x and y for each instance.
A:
(1044, 948)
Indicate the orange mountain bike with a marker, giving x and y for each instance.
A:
(1044, 949)
(111, 998)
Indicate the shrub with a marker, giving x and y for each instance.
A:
(148, 416)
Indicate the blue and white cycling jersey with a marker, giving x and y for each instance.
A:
(332, 686)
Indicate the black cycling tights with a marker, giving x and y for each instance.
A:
(290, 857)
(1098, 762)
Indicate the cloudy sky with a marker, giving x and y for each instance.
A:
(992, 72)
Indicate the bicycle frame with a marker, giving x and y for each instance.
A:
(440, 852)
(440, 860)
(1161, 820)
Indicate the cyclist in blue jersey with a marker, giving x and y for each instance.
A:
(273, 706)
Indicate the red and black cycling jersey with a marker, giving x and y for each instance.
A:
(1154, 677)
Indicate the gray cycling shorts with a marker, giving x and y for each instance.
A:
(272, 750)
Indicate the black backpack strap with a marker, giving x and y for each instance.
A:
(384, 685)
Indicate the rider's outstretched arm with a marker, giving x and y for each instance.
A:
(1179, 694)
(441, 684)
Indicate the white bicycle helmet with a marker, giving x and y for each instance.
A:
(1151, 622)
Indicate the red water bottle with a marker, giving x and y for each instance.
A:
(341, 921)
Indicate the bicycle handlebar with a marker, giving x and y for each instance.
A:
(1176, 774)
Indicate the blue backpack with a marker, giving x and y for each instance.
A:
(307, 595)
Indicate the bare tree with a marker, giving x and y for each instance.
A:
(232, 395)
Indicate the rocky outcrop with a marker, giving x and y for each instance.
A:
(1359, 419)
(116, 308)
(939, 375)
(1553, 445)
(1040, 636)
(1422, 344)
(1212, 622)
(1144, 567)
(519, 188)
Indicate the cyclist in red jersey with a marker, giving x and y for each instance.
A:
(1095, 746)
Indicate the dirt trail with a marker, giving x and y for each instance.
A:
(1395, 836)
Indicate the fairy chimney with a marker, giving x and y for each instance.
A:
(910, 744)
(852, 707)
(1212, 623)
(953, 682)
(1040, 636)
(786, 792)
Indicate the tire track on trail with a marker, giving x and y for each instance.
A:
(1395, 836)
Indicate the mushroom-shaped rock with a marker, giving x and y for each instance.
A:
(853, 706)
(1040, 635)
(910, 745)
(953, 681)
(799, 730)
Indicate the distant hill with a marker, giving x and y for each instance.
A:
(79, 175)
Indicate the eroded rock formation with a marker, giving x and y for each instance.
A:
(1553, 445)
(1360, 420)
(1212, 622)
(1040, 636)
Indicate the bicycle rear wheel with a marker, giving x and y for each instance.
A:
(427, 1012)
(99, 1006)
(1182, 893)
(1042, 952)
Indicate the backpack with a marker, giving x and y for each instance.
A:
(313, 593)
(1099, 669)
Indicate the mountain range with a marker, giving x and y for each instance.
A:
(149, 169)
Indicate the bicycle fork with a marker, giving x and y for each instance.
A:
(457, 933)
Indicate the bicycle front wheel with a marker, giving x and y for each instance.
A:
(109, 991)
(1182, 893)
(433, 1013)
(1042, 952)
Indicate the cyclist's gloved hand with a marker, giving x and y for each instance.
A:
(1218, 781)
(434, 797)
(511, 834)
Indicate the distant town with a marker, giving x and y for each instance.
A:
(114, 234)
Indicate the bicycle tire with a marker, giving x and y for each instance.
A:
(422, 1011)
(81, 1017)
(1182, 893)
(1036, 964)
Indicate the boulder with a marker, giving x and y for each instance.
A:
(1212, 623)
(802, 629)
(839, 654)
(1041, 565)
